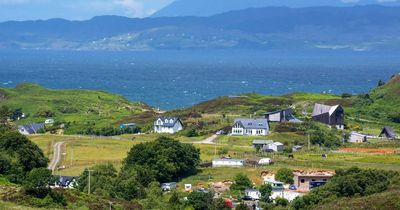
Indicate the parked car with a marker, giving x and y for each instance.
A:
(292, 187)
(247, 198)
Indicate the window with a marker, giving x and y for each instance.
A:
(324, 180)
(313, 180)
(171, 121)
(302, 180)
(166, 121)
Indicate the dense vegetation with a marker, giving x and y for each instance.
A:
(353, 182)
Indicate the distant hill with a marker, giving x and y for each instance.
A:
(357, 28)
(80, 109)
(212, 7)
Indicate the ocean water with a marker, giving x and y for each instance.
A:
(175, 79)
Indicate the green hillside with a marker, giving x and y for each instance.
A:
(78, 108)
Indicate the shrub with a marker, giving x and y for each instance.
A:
(284, 175)
(36, 183)
(241, 183)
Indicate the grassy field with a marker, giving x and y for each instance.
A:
(81, 108)
(83, 152)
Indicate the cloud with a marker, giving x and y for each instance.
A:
(135, 8)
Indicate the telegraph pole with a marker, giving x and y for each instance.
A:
(89, 181)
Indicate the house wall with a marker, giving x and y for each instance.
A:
(249, 132)
(227, 163)
(159, 128)
(275, 117)
(303, 182)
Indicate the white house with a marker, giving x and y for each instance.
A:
(168, 125)
(227, 163)
(250, 127)
(253, 193)
(66, 182)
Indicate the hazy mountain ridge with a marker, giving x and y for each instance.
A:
(355, 28)
(212, 7)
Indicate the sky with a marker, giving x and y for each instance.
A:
(76, 9)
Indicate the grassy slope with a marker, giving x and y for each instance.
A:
(80, 107)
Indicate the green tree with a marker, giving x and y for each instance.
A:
(168, 159)
(174, 201)
(281, 202)
(242, 206)
(154, 197)
(36, 183)
(200, 200)
(241, 182)
(284, 175)
(4, 115)
(102, 179)
(265, 190)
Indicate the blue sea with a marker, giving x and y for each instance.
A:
(175, 79)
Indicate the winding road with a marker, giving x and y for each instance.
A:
(56, 156)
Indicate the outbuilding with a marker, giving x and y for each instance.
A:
(388, 132)
(228, 163)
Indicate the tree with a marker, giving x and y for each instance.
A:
(154, 197)
(284, 175)
(220, 204)
(381, 83)
(241, 183)
(102, 179)
(281, 201)
(166, 158)
(36, 183)
(242, 206)
(265, 190)
(200, 200)
(131, 182)
(174, 201)
(21, 153)
(4, 115)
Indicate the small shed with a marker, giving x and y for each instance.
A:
(296, 148)
(357, 138)
(261, 143)
(276, 147)
(388, 133)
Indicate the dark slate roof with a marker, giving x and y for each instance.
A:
(389, 131)
(288, 115)
(64, 181)
(169, 124)
(32, 128)
(253, 123)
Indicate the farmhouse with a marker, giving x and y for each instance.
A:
(250, 127)
(388, 132)
(227, 163)
(330, 115)
(67, 182)
(30, 128)
(357, 138)
(168, 125)
(284, 115)
(307, 180)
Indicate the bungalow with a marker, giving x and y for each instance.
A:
(276, 185)
(168, 125)
(227, 163)
(260, 144)
(388, 133)
(357, 138)
(330, 115)
(307, 180)
(30, 128)
(284, 115)
(253, 194)
(250, 127)
(67, 182)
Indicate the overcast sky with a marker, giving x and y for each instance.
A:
(76, 9)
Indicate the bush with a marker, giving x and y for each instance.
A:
(284, 175)
(166, 158)
(281, 201)
(36, 183)
(200, 200)
(241, 183)
(191, 133)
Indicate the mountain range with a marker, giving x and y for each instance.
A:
(358, 28)
(213, 7)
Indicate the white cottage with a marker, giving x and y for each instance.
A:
(250, 127)
(168, 125)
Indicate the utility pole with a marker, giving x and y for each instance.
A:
(89, 181)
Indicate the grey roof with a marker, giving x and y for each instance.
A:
(169, 124)
(253, 123)
(263, 142)
(389, 131)
(32, 128)
(322, 109)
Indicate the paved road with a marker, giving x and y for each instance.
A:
(56, 156)
(209, 140)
